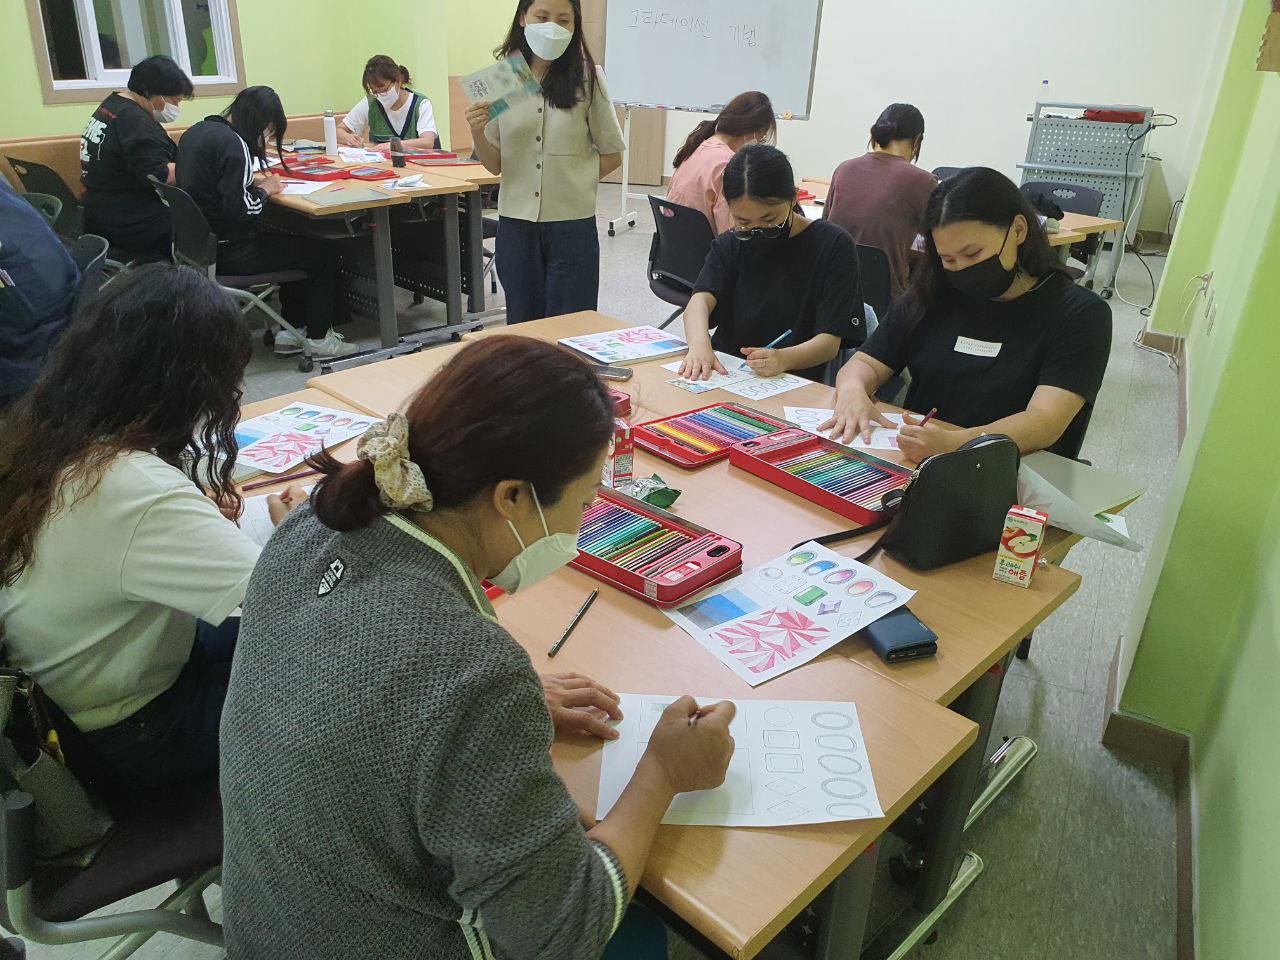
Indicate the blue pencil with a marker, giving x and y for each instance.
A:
(768, 346)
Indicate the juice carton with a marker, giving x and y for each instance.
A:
(1020, 545)
(619, 465)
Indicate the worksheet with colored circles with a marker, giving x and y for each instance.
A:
(794, 761)
(782, 614)
(279, 441)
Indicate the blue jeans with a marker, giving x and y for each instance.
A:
(548, 269)
(640, 936)
(174, 738)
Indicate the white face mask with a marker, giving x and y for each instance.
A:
(169, 114)
(388, 97)
(538, 560)
(547, 40)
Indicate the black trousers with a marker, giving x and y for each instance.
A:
(314, 304)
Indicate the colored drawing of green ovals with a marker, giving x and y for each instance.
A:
(804, 556)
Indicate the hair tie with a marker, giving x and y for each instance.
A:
(401, 485)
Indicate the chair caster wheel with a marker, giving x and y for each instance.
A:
(931, 939)
(611, 233)
(419, 299)
(269, 337)
(631, 223)
(455, 337)
(12, 949)
(306, 365)
(1106, 294)
(906, 871)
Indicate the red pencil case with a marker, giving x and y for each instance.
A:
(370, 173)
(311, 171)
(427, 156)
(621, 403)
(695, 557)
(861, 479)
(698, 437)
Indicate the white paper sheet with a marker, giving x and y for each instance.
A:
(303, 188)
(628, 345)
(787, 611)
(255, 519)
(1064, 513)
(794, 761)
(810, 418)
(278, 441)
(503, 84)
(762, 388)
(716, 381)
(360, 155)
(811, 211)
(1117, 521)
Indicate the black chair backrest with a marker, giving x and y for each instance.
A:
(873, 270)
(943, 172)
(1068, 445)
(89, 253)
(194, 244)
(681, 241)
(37, 178)
(50, 207)
(1071, 197)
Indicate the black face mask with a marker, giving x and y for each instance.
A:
(767, 237)
(986, 279)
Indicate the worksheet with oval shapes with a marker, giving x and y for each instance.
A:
(794, 761)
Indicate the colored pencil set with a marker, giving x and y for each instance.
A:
(848, 482)
(651, 553)
(705, 435)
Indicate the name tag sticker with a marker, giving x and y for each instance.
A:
(977, 348)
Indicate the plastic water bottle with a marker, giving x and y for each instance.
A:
(330, 134)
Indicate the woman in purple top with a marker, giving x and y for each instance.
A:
(880, 197)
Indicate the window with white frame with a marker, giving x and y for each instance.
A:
(95, 43)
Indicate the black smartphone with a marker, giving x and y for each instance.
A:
(899, 636)
(613, 373)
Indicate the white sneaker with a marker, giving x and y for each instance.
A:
(333, 344)
(287, 343)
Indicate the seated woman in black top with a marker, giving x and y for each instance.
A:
(122, 144)
(774, 273)
(216, 166)
(996, 336)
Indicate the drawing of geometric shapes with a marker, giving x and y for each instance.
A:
(830, 720)
(828, 606)
(834, 763)
(842, 788)
(771, 573)
(649, 717)
(820, 566)
(847, 621)
(719, 608)
(881, 598)
(840, 576)
(804, 556)
(787, 810)
(784, 763)
(859, 587)
(785, 786)
(849, 811)
(763, 640)
(731, 797)
(782, 740)
(838, 741)
(790, 585)
(778, 717)
(810, 595)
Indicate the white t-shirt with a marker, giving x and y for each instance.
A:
(105, 615)
(357, 118)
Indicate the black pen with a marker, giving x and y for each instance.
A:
(582, 612)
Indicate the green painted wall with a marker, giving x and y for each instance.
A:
(475, 28)
(316, 67)
(1202, 652)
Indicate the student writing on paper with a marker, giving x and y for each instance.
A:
(551, 151)
(38, 282)
(123, 143)
(774, 272)
(698, 181)
(880, 197)
(996, 336)
(378, 706)
(118, 569)
(216, 161)
(389, 110)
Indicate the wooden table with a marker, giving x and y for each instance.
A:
(434, 185)
(477, 174)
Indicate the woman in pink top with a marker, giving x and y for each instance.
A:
(747, 118)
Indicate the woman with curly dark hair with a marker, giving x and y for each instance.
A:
(118, 568)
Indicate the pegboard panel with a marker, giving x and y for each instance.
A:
(1084, 143)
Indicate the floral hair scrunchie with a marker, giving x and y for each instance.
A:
(401, 485)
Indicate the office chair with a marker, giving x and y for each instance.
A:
(89, 254)
(37, 178)
(682, 236)
(195, 245)
(49, 207)
(942, 173)
(173, 835)
(1071, 198)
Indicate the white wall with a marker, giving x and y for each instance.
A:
(974, 68)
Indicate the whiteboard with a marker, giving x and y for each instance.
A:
(699, 54)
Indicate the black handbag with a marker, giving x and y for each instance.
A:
(953, 508)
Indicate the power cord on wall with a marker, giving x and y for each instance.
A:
(1173, 359)
(1144, 309)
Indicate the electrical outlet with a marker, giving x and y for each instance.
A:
(1206, 282)
(1211, 316)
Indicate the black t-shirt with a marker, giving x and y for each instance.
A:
(980, 361)
(807, 284)
(121, 144)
